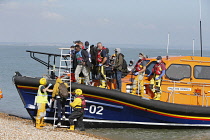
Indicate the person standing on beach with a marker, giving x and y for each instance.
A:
(42, 100)
(78, 105)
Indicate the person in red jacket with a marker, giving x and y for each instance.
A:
(158, 72)
(139, 71)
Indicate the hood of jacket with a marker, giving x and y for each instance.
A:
(58, 80)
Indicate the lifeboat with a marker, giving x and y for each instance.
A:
(184, 100)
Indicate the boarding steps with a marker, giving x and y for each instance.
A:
(67, 65)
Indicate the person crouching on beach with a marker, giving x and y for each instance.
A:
(41, 100)
(78, 105)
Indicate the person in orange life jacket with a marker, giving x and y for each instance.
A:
(158, 72)
(41, 101)
(117, 67)
(139, 71)
(78, 112)
(101, 59)
(82, 64)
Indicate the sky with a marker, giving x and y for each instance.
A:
(143, 22)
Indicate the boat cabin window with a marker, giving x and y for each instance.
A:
(178, 71)
(150, 66)
(202, 72)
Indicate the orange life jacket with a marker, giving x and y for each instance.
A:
(138, 66)
(99, 58)
(157, 68)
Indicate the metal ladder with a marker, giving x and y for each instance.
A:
(65, 68)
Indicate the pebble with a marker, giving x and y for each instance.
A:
(15, 128)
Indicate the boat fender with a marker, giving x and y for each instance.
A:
(1, 95)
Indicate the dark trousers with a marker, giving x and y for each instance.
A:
(118, 76)
(61, 107)
(77, 114)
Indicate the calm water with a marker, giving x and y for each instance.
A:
(15, 58)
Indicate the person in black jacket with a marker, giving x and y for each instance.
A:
(82, 64)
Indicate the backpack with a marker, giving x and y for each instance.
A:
(124, 65)
(63, 91)
(83, 101)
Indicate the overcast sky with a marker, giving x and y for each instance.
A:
(144, 22)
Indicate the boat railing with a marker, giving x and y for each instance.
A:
(199, 84)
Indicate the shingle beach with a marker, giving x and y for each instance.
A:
(15, 128)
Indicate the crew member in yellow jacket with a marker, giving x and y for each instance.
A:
(61, 101)
(78, 113)
(41, 100)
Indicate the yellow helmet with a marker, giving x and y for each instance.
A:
(78, 91)
(43, 81)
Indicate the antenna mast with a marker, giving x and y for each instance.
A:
(193, 46)
(168, 44)
(201, 32)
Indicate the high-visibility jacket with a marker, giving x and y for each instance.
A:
(41, 97)
(77, 103)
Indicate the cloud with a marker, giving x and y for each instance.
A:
(104, 21)
(52, 0)
(9, 5)
(145, 26)
(52, 3)
(52, 15)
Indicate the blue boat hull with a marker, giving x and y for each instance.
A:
(110, 106)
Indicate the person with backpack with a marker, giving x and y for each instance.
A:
(60, 91)
(118, 67)
(78, 106)
(139, 71)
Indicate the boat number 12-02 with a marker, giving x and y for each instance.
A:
(93, 109)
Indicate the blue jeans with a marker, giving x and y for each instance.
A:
(118, 75)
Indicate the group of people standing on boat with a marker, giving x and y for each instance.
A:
(155, 75)
(95, 62)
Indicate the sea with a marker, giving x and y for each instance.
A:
(14, 58)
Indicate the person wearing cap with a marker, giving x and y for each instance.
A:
(78, 106)
(82, 64)
(117, 67)
(158, 72)
(41, 101)
(101, 59)
(139, 71)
